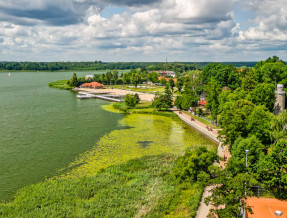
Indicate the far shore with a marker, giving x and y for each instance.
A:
(142, 96)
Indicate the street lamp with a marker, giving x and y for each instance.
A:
(244, 210)
(246, 151)
(278, 213)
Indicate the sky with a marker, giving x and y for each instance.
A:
(142, 30)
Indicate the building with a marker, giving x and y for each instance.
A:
(164, 73)
(92, 85)
(87, 77)
(166, 79)
(280, 99)
(203, 103)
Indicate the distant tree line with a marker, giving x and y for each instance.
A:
(96, 65)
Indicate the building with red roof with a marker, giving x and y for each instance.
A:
(166, 79)
(203, 103)
(93, 85)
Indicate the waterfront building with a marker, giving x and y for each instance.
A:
(92, 85)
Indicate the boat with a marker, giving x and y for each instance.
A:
(83, 96)
(9, 74)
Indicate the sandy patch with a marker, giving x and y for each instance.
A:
(142, 96)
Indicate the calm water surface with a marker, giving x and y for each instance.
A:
(42, 129)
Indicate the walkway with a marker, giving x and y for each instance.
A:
(222, 151)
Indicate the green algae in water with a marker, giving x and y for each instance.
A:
(164, 134)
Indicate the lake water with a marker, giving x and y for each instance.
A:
(43, 129)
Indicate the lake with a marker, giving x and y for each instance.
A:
(44, 130)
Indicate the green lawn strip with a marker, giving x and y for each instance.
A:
(140, 187)
(141, 108)
(148, 88)
(201, 120)
(62, 84)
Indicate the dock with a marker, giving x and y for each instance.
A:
(108, 97)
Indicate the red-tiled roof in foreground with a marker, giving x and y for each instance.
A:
(266, 207)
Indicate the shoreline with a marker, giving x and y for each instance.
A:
(116, 92)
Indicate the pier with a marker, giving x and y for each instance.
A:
(109, 97)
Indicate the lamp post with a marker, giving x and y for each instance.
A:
(278, 213)
(246, 151)
(244, 210)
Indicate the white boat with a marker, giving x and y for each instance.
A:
(9, 74)
(83, 96)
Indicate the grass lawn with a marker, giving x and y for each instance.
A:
(141, 88)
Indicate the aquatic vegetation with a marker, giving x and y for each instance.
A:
(111, 108)
(140, 187)
(163, 134)
(62, 84)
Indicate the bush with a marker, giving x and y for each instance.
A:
(195, 165)
(131, 100)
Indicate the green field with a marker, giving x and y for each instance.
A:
(152, 89)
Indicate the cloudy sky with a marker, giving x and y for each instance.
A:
(142, 30)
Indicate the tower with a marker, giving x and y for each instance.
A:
(280, 99)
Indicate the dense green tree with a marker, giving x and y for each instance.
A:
(213, 90)
(237, 164)
(74, 81)
(195, 162)
(136, 78)
(248, 82)
(162, 81)
(109, 77)
(259, 124)
(163, 100)
(230, 192)
(225, 75)
(171, 84)
(126, 78)
(186, 101)
(115, 75)
(179, 84)
(235, 120)
(272, 169)
(263, 94)
(131, 100)
(153, 77)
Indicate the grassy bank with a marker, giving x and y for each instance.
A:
(141, 108)
(140, 187)
(141, 88)
(62, 84)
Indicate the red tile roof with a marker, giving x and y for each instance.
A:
(92, 85)
(203, 103)
(166, 79)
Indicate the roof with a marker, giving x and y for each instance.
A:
(166, 79)
(92, 84)
(203, 103)
(266, 207)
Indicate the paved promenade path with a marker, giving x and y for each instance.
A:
(222, 151)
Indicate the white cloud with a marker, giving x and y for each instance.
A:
(151, 30)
